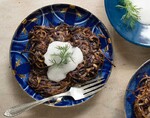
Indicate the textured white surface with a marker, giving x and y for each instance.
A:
(106, 104)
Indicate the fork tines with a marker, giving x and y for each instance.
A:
(93, 86)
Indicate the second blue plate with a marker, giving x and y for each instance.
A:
(132, 86)
(138, 35)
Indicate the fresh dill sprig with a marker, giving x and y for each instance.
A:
(131, 15)
(64, 55)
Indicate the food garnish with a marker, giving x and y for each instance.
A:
(131, 15)
(64, 55)
(61, 58)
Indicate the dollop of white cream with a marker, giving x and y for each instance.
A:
(144, 11)
(58, 73)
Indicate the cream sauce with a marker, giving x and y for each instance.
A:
(58, 73)
(144, 11)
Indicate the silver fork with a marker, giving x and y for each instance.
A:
(79, 92)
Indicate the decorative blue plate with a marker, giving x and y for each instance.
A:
(132, 86)
(55, 14)
(138, 35)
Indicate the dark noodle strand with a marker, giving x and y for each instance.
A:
(40, 38)
(142, 102)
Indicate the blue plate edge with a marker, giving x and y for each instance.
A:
(121, 34)
(129, 84)
(112, 56)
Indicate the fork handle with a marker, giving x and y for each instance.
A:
(16, 110)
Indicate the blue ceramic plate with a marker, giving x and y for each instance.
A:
(55, 14)
(139, 35)
(132, 86)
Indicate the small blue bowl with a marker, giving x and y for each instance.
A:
(132, 86)
(56, 14)
(138, 35)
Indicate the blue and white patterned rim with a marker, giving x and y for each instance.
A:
(55, 14)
